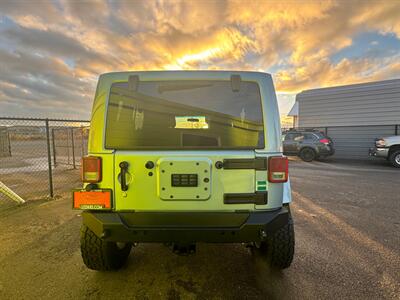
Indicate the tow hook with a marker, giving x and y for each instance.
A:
(263, 234)
(183, 249)
(105, 234)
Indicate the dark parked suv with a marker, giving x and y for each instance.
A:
(307, 144)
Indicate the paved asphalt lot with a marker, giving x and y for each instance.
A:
(347, 233)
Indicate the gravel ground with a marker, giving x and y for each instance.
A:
(347, 246)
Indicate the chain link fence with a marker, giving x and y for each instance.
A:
(69, 145)
(40, 158)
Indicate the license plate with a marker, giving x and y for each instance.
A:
(97, 199)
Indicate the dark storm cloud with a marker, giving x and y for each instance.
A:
(43, 83)
(51, 42)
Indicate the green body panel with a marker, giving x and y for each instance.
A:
(145, 190)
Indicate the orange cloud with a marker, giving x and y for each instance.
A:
(326, 74)
(294, 39)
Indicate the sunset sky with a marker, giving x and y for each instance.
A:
(51, 52)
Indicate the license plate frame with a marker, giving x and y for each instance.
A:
(99, 199)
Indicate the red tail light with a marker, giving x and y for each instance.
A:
(278, 169)
(324, 141)
(91, 169)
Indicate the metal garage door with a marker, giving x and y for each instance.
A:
(354, 141)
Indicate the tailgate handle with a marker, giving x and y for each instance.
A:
(124, 169)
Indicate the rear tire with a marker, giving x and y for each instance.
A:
(100, 255)
(307, 154)
(278, 249)
(394, 158)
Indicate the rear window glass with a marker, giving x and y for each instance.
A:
(292, 136)
(320, 134)
(184, 114)
(310, 137)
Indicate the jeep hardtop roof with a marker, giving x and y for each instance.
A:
(264, 80)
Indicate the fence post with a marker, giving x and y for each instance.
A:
(82, 142)
(73, 147)
(10, 194)
(396, 129)
(54, 147)
(49, 159)
(9, 143)
(68, 145)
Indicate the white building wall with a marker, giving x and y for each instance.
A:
(376, 103)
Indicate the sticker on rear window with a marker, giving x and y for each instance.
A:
(191, 122)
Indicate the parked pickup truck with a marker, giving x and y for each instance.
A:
(389, 148)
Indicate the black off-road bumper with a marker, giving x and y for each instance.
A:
(211, 227)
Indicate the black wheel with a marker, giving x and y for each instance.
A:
(307, 154)
(278, 249)
(100, 255)
(394, 158)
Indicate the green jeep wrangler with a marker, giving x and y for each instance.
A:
(180, 157)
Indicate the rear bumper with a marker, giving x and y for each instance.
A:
(326, 151)
(379, 152)
(212, 227)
